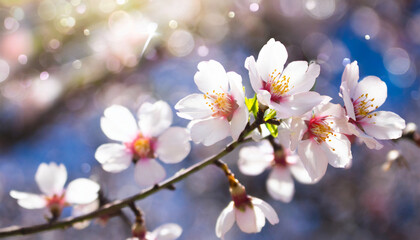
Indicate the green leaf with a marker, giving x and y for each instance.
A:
(273, 129)
(252, 105)
(269, 114)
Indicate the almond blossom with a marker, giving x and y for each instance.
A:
(248, 212)
(50, 179)
(142, 143)
(320, 137)
(361, 99)
(220, 110)
(286, 91)
(253, 160)
(169, 231)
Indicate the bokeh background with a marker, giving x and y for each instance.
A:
(62, 62)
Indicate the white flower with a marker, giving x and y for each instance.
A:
(248, 212)
(283, 163)
(321, 138)
(250, 219)
(218, 112)
(361, 99)
(169, 231)
(286, 91)
(51, 179)
(151, 138)
(82, 209)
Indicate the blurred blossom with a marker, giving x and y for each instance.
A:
(365, 21)
(47, 10)
(397, 61)
(413, 28)
(44, 75)
(22, 59)
(15, 44)
(406, 79)
(214, 27)
(4, 70)
(291, 8)
(180, 43)
(254, 7)
(202, 51)
(320, 9)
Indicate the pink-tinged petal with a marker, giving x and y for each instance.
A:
(313, 158)
(299, 171)
(193, 107)
(264, 97)
(209, 131)
(29, 200)
(298, 104)
(383, 125)
(154, 118)
(338, 151)
(252, 161)
(169, 231)
(306, 81)
(51, 178)
(114, 157)
(247, 220)
(297, 129)
(259, 215)
(330, 109)
(351, 76)
(280, 184)
(225, 221)
(82, 191)
(376, 90)
(119, 124)
(211, 76)
(239, 121)
(273, 55)
(370, 142)
(295, 72)
(173, 145)
(254, 76)
(148, 172)
(236, 88)
(267, 210)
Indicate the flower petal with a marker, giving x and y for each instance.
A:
(299, 171)
(273, 55)
(225, 221)
(169, 231)
(211, 75)
(173, 145)
(247, 220)
(148, 172)
(193, 106)
(209, 131)
(267, 210)
(83, 209)
(301, 77)
(375, 88)
(337, 149)
(254, 76)
(264, 97)
(252, 161)
(29, 200)
(383, 125)
(154, 118)
(51, 178)
(297, 104)
(370, 142)
(82, 191)
(351, 76)
(280, 184)
(114, 157)
(239, 121)
(236, 88)
(313, 158)
(119, 124)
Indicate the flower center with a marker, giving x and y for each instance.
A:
(142, 147)
(277, 85)
(363, 105)
(280, 159)
(319, 129)
(56, 200)
(222, 104)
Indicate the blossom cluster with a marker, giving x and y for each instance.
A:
(300, 132)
